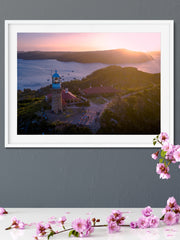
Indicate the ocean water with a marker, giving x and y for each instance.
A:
(35, 74)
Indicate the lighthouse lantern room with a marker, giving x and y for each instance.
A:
(56, 84)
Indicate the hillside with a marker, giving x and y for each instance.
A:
(135, 114)
(116, 77)
(117, 56)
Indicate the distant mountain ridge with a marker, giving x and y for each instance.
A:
(117, 56)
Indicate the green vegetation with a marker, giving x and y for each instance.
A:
(60, 127)
(136, 114)
(116, 77)
(28, 108)
(28, 119)
(119, 78)
(66, 128)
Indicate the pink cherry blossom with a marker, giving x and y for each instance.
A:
(17, 223)
(176, 155)
(163, 171)
(147, 211)
(165, 176)
(143, 222)
(171, 202)
(3, 211)
(115, 220)
(113, 227)
(83, 227)
(89, 228)
(79, 225)
(163, 137)
(40, 230)
(21, 225)
(170, 156)
(154, 222)
(176, 147)
(116, 216)
(47, 226)
(155, 155)
(14, 221)
(170, 218)
(161, 168)
(166, 209)
(167, 147)
(62, 220)
(117, 213)
(133, 225)
(177, 208)
(111, 218)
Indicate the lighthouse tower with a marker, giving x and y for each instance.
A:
(56, 93)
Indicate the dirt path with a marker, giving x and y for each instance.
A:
(92, 115)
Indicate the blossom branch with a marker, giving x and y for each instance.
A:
(167, 155)
(71, 229)
(84, 227)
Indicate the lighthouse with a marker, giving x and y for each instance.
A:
(56, 93)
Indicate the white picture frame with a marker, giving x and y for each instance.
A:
(12, 27)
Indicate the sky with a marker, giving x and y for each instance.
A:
(143, 42)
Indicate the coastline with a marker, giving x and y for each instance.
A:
(35, 74)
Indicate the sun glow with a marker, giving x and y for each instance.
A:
(88, 41)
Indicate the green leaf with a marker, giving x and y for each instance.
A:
(74, 233)
(70, 233)
(161, 160)
(154, 142)
(163, 153)
(51, 234)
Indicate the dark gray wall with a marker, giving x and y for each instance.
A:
(85, 177)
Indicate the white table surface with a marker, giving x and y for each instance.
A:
(29, 215)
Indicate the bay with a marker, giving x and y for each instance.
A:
(35, 74)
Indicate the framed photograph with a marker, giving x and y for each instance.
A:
(104, 83)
